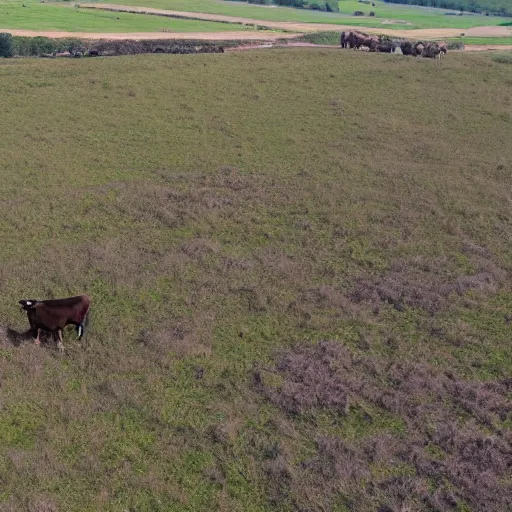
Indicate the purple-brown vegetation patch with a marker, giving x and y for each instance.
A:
(464, 424)
(420, 282)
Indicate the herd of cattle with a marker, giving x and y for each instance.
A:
(358, 40)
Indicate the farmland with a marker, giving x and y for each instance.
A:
(299, 264)
(386, 15)
(52, 17)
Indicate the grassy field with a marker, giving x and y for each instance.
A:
(38, 16)
(417, 17)
(299, 262)
(485, 40)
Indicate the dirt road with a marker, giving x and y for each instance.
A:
(249, 35)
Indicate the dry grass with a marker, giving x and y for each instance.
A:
(429, 283)
(464, 421)
(223, 227)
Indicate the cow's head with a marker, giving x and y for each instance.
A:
(28, 304)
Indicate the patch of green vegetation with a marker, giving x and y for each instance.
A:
(503, 58)
(20, 424)
(32, 15)
(37, 46)
(416, 16)
(217, 219)
(506, 41)
(321, 38)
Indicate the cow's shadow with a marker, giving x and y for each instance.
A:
(15, 338)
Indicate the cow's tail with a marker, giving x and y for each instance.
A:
(81, 328)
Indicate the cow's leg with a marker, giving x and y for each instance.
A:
(37, 341)
(60, 344)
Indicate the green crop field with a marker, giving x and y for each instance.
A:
(485, 40)
(300, 269)
(42, 16)
(416, 17)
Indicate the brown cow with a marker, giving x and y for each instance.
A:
(386, 47)
(344, 39)
(418, 49)
(54, 315)
(443, 47)
(431, 51)
(358, 39)
(407, 48)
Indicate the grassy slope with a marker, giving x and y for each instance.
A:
(217, 208)
(417, 16)
(37, 16)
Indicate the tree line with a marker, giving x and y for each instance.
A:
(318, 5)
(489, 7)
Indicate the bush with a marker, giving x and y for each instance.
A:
(372, 13)
(332, 6)
(503, 58)
(321, 38)
(5, 45)
(37, 46)
(292, 3)
(455, 45)
(358, 13)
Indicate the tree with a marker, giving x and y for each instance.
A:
(5, 45)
